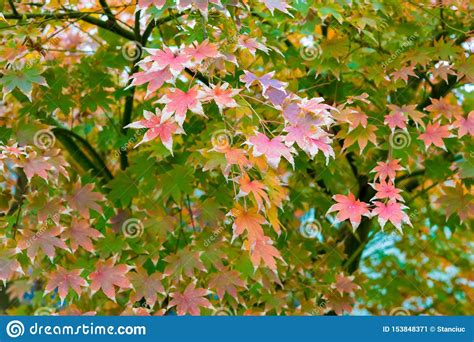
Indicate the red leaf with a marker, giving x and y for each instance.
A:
(106, 276)
(189, 301)
(64, 280)
(84, 199)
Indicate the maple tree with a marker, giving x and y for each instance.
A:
(236, 157)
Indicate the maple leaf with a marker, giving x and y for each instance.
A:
(45, 239)
(222, 95)
(36, 165)
(154, 78)
(178, 102)
(457, 200)
(83, 199)
(353, 116)
(403, 73)
(23, 79)
(107, 275)
(14, 151)
(262, 250)
(275, 96)
(202, 51)
(81, 234)
(47, 208)
(272, 149)
(309, 139)
(251, 44)
(317, 107)
(247, 220)
(8, 265)
(465, 125)
(183, 261)
(226, 281)
(236, 156)
(360, 135)
(409, 110)
(387, 169)
(64, 280)
(157, 128)
(201, 5)
(391, 211)
(166, 58)
(387, 190)
(145, 286)
(189, 301)
(396, 119)
(442, 70)
(348, 207)
(344, 284)
(256, 188)
(434, 134)
(281, 5)
(142, 4)
(442, 107)
(340, 303)
(265, 81)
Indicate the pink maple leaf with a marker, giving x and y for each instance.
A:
(251, 44)
(317, 107)
(154, 78)
(272, 149)
(222, 95)
(178, 102)
(107, 276)
(36, 165)
(344, 284)
(142, 4)
(47, 240)
(348, 207)
(189, 301)
(81, 234)
(63, 280)
(281, 5)
(262, 250)
(391, 211)
(8, 265)
(387, 190)
(83, 199)
(396, 119)
(157, 128)
(167, 58)
(387, 169)
(434, 134)
(403, 73)
(309, 139)
(465, 125)
(202, 51)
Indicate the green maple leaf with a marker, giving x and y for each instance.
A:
(22, 79)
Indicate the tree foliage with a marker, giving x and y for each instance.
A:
(236, 157)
